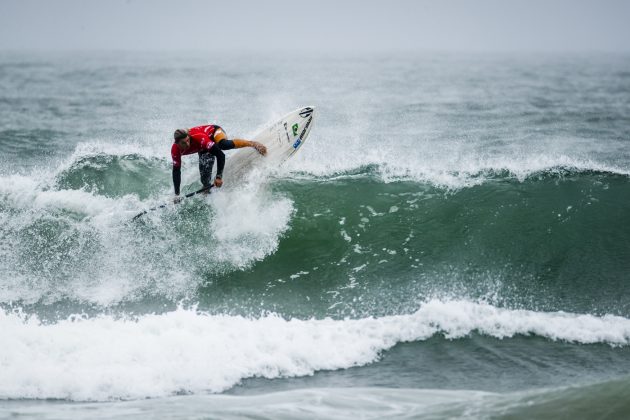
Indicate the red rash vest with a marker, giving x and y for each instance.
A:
(200, 139)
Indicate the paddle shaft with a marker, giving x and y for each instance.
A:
(204, 189)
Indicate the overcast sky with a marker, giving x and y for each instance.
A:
(322, 25)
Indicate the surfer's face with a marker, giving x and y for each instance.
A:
(184, 143)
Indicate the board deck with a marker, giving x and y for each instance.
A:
(282, 139)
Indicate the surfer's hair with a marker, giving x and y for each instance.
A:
(180, 134)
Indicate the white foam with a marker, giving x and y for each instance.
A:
(159, 150)
(106, 358)
(27, 193)
(442, 168)
(248, 223)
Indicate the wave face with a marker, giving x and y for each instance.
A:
(352, 245)
(448, 215)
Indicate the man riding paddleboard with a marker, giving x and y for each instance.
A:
(208, 141)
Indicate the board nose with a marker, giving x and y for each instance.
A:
(307, 111)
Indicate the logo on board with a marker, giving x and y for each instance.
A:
(302, 134)
(306, 112)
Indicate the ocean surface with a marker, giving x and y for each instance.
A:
(452, 241)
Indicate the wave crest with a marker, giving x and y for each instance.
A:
(153, 355)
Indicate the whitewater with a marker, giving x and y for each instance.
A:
(452, 241)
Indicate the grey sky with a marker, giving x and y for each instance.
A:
(239, 25)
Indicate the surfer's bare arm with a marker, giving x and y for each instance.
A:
(239, 143)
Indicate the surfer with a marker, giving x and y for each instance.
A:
(208, 141)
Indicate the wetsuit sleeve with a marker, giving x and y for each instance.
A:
(177, 179)
(176, 155)
(226, 144)
(215, 151)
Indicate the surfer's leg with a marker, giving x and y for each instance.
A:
(206, 162)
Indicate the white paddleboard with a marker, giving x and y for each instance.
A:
(282, 139)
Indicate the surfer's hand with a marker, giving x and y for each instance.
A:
(260, 148)
(218, 182)
(177, 199)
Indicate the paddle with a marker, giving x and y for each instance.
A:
(137, 216)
